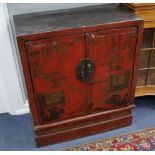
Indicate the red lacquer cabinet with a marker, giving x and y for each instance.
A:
(80, 68)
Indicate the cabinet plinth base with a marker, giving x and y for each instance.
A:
(48, 135)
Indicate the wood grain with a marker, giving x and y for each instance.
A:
(145, 83)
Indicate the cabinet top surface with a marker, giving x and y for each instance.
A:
(49, 21)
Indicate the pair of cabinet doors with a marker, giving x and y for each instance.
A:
(82, 74)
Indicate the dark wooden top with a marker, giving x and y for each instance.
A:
(48, 21)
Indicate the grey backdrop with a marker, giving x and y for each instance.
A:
(21, 8)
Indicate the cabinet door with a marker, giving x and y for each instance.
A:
(59, 94)
(112, 53)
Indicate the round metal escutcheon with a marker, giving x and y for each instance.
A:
(85, 70)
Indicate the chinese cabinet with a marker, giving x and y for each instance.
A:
(80, 67)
